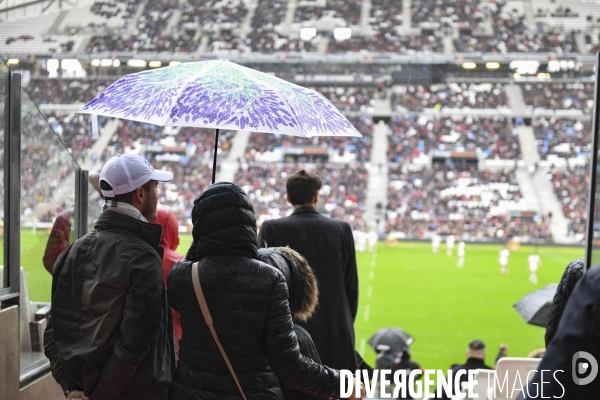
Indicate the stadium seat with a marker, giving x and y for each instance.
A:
(514, 368)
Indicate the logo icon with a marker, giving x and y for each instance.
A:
(581, 368)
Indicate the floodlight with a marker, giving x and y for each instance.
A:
(12, 61)
(154, 64)
(174, 63)
(136, 63)
(492, 65)
(95, 62)
(469, 65)
(107, 62)
(116, 63)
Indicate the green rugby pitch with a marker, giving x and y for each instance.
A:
(443, 306)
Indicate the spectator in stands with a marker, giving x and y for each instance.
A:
(575, 344)
(332, 256)
(110, 333)
(255, 326)
(169, 242)
(502, 352)
(475, 360)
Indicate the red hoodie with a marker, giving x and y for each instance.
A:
(169, 242)
(58, 241)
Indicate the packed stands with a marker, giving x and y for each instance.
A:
(473, 205)
(451, 95)
(572, 187)
(563, 138)
(559, 96)
(412, 135)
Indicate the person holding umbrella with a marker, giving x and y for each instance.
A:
(233, 304)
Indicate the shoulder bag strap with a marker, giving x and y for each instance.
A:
(209, 322)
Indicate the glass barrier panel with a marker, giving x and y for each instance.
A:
(47, 225)
(4, 84)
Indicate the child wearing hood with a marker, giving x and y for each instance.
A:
(303, 298)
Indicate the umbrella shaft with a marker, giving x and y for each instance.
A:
(215, 156)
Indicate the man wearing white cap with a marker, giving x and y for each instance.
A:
(110, 332)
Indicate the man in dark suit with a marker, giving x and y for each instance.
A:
(328, 246)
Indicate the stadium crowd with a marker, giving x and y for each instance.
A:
(470, 204)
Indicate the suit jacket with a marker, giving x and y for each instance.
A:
(328, 246)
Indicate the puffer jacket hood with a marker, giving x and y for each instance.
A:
(224, 223)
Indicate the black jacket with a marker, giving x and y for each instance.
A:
(248, 302)
(111, 329)
(328, 246)
(471, 364)
(569, 279)
(578, 331)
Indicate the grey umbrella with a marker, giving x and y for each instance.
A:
(394, 339)
(534, 308)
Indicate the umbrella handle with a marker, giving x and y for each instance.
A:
(215, 157)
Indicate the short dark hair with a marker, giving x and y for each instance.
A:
(302, 186)
(123, 197)
(477, 345)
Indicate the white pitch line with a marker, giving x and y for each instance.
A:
(363, 342)
(372, 274)
(367, 310)
(369, 291)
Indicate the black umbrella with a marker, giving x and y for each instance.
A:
(393, 339)
(534, 308)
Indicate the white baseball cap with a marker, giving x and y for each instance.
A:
(127, 172)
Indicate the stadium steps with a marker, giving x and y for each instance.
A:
(203, 44)
(132, 25)
(529, 151)
(529, 16)
(173, 23)
(377, 187)
(515, 98)
(527, 190)
(54, 28)
(229, 166)
(580, 42)
(365, 13)
(448, 44)
(246, 25)
(288, 20)
(323, 43)
(406, 16)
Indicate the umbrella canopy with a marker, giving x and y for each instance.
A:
(534, 308)
(222, 95)
(396, 339)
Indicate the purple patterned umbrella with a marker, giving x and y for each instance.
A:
(222, 95)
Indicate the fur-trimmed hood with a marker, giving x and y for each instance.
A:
(301, 281)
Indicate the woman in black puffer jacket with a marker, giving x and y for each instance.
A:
(249, 306)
